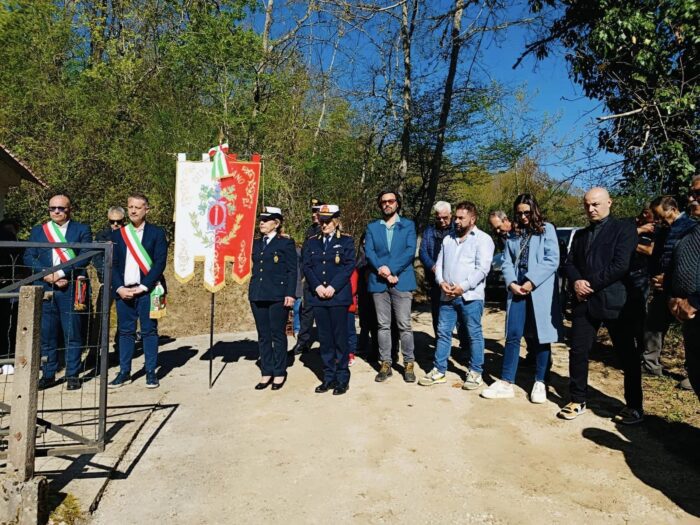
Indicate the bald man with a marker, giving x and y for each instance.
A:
(598, 269)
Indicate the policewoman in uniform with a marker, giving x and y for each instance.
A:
(271, 294)
(328, 261)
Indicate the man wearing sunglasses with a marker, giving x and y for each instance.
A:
(115, 218)
(683, 285)
(59, 311)
(390, 246)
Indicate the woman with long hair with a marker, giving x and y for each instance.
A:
(530, 273)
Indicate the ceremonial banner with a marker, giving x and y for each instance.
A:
(215, 216)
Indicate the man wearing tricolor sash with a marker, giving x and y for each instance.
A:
(59, 313)
(140, 253)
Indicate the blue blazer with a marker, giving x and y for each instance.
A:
(39, 259)
(331, 267)
(274, 274)
(155, 243)
(399, 259)
(542, 265)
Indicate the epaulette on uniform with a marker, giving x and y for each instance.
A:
(346, 235)
(285, 236)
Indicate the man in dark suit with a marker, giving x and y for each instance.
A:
(140, 254)
(59, 313)
(598, 266)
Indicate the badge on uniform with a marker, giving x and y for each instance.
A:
(337, 258)
(276, 259)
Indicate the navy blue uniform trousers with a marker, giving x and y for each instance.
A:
(58, 314)
(271, 321)
(332, 324)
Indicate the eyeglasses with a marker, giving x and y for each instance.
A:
(523, 213)
(119, 221)
(58, 209)
(388, 201)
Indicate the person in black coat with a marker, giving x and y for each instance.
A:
(329, 260)
(271, 293)
(598, 268)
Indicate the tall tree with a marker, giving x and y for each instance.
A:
(640, 57)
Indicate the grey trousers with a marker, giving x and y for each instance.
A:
(397, 303)
(657, 323)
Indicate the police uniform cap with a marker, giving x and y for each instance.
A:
(270, 213)
(328, 212)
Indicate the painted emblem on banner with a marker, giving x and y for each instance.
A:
(215, 219)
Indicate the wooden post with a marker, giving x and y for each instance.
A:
(24, 389)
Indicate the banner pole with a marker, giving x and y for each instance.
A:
(211, 341)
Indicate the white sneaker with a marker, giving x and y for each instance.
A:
(499, 390)
(539, 392)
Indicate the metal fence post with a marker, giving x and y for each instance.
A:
(22, 436)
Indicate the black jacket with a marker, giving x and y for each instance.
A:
(274, 274)
(605, 267)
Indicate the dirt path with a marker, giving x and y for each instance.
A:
(389, 453)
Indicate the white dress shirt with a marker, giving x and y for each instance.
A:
(132, 272)
(56, 258)
(465, 262)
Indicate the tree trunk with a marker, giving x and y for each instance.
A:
(408, 21)
(436, 164)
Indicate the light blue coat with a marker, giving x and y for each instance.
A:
(542, 265)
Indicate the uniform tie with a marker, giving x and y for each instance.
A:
(326, 242)
(266, 239)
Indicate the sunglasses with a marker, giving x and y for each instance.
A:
(523, 213)
(388, 201)
(694, 193)
(59, 209)
(119, 221)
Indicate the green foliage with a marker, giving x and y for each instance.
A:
(641, 58)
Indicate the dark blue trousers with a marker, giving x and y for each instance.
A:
(271, 322)
(128, 312)
(332, 324)
(58, 314)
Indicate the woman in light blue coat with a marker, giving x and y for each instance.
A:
(530, 273)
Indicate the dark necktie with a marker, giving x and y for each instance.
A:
(265, 241)
(327, 242)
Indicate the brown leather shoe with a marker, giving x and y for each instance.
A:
(409, 374)
(384, 372)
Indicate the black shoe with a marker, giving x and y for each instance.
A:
(278, 386)
(263, 386)
(47, 382)
(121, 380)
(152, 380)
(73, 383)
(340, 390)
(324, 387)
(299, 349)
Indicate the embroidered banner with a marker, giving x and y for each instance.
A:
(215, 217)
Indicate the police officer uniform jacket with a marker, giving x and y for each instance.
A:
(330, 266)
(274, 275)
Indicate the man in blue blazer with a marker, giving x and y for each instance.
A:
(390, 246)
(140, 254)
(59, 312)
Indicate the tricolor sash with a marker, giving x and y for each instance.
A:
(54, 234)
(139, 253)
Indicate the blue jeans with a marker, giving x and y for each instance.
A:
(128, 312)
(521, 320)
(468, 314)
(296, 323)
(58, 315)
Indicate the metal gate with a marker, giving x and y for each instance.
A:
(68, 421)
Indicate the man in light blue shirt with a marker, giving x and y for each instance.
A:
(462, 266)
